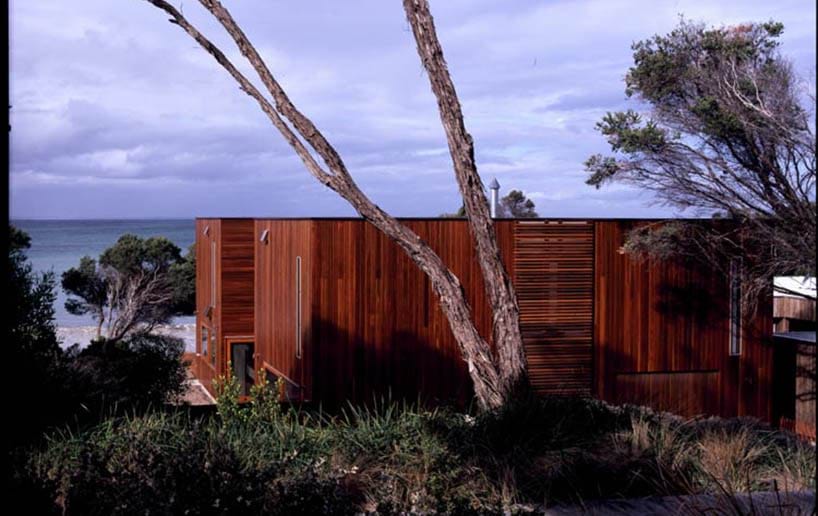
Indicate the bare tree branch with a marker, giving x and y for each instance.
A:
(490, 379)
(506, 327)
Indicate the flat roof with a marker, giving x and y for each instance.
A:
(795, 286)
(589, 219)
(800, 336)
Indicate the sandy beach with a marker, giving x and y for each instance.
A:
(82, 335)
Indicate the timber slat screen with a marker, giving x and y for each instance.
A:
(554, 274)
(595, 320)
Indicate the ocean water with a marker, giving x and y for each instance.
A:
(58, 245)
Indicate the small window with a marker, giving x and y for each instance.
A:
(735, 307)
(213, 274)
(214, 350)
(204, 341)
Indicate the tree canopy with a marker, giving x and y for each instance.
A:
(514, 205)
(727, 132)
(30, 303)
(133, 286)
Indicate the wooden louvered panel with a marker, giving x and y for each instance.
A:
(553, 276)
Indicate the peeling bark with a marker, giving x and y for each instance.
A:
(498, 286)
(492, 376)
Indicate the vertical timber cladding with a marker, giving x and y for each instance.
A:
(553, 277)
(283, 249)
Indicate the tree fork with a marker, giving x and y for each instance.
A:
(493, 378)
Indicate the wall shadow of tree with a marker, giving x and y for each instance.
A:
(401, 366)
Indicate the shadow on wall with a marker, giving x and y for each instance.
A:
(693, 302)
(805, 372)
(401, 366)
(795, 381)
(676, 357)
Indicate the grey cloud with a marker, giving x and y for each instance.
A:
(113, 104)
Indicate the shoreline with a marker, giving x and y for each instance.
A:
(82, 335)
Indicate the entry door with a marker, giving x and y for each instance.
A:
(554, 280)
(241, 354)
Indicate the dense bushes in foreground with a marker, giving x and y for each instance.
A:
(76, 386)
(396, 458)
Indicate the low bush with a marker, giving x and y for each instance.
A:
(389, 458)
(132, 374)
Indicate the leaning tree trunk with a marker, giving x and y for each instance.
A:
(493, 377)
(500, 291)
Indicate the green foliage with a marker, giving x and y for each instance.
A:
(728, 130)
(399, 458)
(73, 388)
(601, 169)
(29, 306)
(662, 242)
(262, 406)
(30, 301)
(665, 65)
(136, 282)
(679, 76)
(33, 353)
(626, 135)
(132, 254)
(172, 464)
(183, 278)
(87, 287)
(516, 205)
(134, 374)
(77, 386)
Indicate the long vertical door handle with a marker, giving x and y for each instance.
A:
(298, 307)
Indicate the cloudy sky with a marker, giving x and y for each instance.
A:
(118, 114)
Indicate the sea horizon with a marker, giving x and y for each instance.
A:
(58, 244)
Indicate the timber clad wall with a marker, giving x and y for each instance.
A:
(207, 284)
(554, 275)
(224, 290)
(662, 336)
(276, 327)
(376, 321)
(594, 321)
(237, 278)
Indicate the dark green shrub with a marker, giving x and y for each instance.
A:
(396, 458)
(139, 372)
(52, 388)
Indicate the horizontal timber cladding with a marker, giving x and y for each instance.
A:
(377, 325)
(663, 327)
(237, 270)
(554, 275)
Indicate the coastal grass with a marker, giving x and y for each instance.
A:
(395, 457)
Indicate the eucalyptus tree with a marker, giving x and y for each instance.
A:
(135, 285)
(496, 374)
(728, 131)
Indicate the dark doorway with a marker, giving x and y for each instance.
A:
(242, 362)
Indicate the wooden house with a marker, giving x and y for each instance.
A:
(339, 312)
